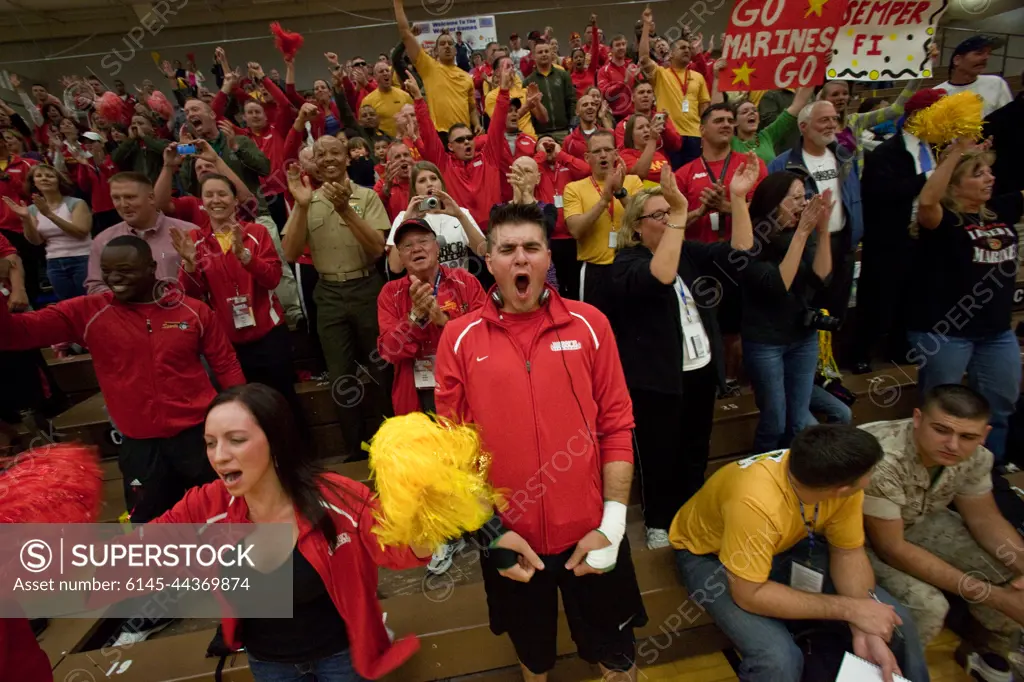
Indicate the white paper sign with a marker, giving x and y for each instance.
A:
(885, 41)
(858, 670)
(476, 31)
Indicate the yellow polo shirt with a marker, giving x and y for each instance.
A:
(387, 105)
(668, 90)
(448, 89)
(578, 198)
(518, 91)
(747, 512)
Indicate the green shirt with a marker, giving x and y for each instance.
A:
(764, 141)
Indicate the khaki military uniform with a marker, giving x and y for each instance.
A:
(902, 488)
(346, 299)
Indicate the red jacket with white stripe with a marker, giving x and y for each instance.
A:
(220, 276)
(401, 342)
(347, 564)
(396, 199)
(539, 415)
(474, 184)
(553, 179)
(146, 355)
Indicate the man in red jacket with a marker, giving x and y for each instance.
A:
(558, 169)
(575, 143)
(393, 188)
(146, 341)
(540, 377)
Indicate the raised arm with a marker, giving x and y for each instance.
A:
(296, 230)
(647, 65)
(740, 186)
(412, 46)
(665, 262)
(929, 202)
(433, 150)
(580, 222)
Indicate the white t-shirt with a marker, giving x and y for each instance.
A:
(452, 239)
(697, 350)
(993, 90)
(60, 244)
(825, 173)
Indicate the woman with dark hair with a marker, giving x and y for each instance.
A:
(234, 266)
(640, 147)
(16, 144)
(52, 115)
(665, 319)
(61, 222)
(778, 281)
(962, 286)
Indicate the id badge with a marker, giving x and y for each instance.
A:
(558, 201)
(241, 312)
(716, 219)
(613, 239)
(696, 349)
(423, 372)
(805, 578)
(686, 106)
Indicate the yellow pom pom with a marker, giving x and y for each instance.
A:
(952, 117)
(431, 479)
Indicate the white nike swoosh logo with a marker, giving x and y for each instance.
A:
(623, 625)
(483, 358)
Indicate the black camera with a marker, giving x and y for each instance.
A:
(815, 318)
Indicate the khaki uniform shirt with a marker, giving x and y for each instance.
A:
(333, 246)
(901, 486)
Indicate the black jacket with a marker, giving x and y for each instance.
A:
(888, 189)
(645, 314)
(1006, 126)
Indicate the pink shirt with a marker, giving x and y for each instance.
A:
(159, 239)
(60, 244)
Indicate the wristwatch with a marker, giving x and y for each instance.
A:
(621, 193)
(418, 321)
(246, 255)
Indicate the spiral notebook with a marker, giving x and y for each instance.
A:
(855, 669)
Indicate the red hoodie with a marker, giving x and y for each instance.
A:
(146, 355)
(474, 184)
(94, 180)
(547, 457)
(401, 341)
(396, 199)
(347, 565)
(12, 184)
(221, 276)
(553, 179)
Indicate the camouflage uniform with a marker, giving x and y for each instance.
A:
(901, 487)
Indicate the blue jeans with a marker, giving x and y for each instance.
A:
(766, 644)
(67, 276)
(782, 377)
(992, 364)
(834, 409)
(336, 668)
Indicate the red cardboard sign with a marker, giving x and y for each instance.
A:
(775, 44)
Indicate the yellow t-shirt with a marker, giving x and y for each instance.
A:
(747, 512)
(668, 90)
(578, 198)
(387, 105)
(518, 91)
(448, 89)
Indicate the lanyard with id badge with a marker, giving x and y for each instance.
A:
(693, 332)
(423, 368)
(241, 310)
(613, 236)
(802, 574)
(716, 217)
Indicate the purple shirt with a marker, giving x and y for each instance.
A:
(159, 239)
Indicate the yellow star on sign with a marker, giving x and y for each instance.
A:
(742, 74)
(814, 7)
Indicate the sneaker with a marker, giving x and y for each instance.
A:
(657, 538)
(443, 556)
(988, 667)
(130, 636)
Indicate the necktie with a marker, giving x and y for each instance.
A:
(926, 158)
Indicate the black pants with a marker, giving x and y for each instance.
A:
(567, 268)
(278, 210)
(672, 440)
(308, 277)
(268, 361)
(159, 471)
(33, 258)
(880, 304)
(836, 296)
(103, 220)
(592, 281)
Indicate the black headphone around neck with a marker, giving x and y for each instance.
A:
(499, 300)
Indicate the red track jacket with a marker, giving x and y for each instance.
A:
(553, 179)
(347, 565)
(94, 179)
(396, 199)
(401, 342)
(575, 143)
(474, 184)
(670, 139)
(12, 184)
(538, 415)
(220, 276)
(146, 355)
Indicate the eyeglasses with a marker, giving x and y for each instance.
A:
(660, 216)
(461, 140)
(414, 244)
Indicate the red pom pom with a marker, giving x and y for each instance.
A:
(191, 56)
(286, 42)
(52, 484)
(110, 107)
(159, 103)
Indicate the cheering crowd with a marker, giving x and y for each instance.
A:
(577, 254)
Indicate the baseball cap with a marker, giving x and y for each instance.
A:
(514, 36)
(90, 135)
(574, 36)
(534, 35)
(977, 42)
(417, 224)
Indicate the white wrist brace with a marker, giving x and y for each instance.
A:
(613, 527)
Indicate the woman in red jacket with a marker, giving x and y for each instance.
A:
(336, 632)
(640, 147)
(234, 266)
